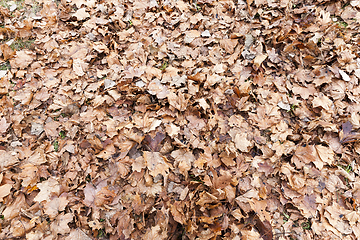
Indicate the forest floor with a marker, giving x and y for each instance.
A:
(146, 119)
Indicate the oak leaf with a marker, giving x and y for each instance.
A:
(47, 189)
(60, 225)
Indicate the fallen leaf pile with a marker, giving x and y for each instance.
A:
(177, 119)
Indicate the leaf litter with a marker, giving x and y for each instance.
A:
(179, 119)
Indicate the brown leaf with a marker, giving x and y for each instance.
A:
(20, 226)
(7, 52)
(303, 155)
(346, 135)
(177, 212)
(265, 229)
(153, 144)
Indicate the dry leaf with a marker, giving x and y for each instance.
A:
(5, 190)
(81, 14)
(47, 189)
(22, 59)
(156, 164)
(60, 225)
(4, 125)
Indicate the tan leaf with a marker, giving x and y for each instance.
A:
(47, 189)
(259, 59)
(242, 143)
(57, 204)
(304, 155)
(322, 101)
(250, 235)
(178, 101)
(333, 214)
(90, 193)
(138, 164)
(81, 14)
(3, 125)
(326, 154)
(60, 225)
(77, 234)
(12, 210)
(22, 59)
(183, 160)
(37, 158)
(7, 159)
(191, 35)
(304, 92)
(353, 217)
(28, 175)
(228, 45)
(5, 190)
(99, 195)
(172, 130)
(20, 226)
(156, 88)
(51, 129)
(34, 235)
(77, 67)
(156, 164)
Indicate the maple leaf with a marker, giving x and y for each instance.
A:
(153, 144)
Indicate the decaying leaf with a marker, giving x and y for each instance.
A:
(47, 189)
(156, 163)
(60, 225)
(179, 119)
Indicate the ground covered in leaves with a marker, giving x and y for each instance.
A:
(176, 119)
